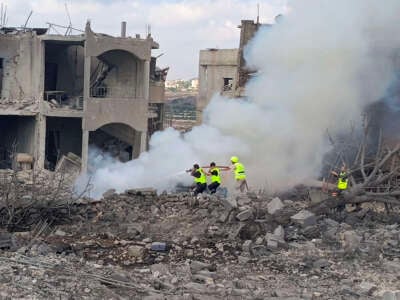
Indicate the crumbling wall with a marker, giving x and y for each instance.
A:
(21, 54)
(216, 65)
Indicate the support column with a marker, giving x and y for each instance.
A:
(143, 142)
(85, 150)
(146, 80)
(41, 141)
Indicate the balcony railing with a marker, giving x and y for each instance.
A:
(112, 92)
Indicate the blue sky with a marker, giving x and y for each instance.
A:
(181, 27)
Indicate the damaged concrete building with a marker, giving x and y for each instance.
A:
(62, 93)
(224, 71)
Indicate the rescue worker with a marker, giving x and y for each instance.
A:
(215, 174)
(240, 174)
(342, 179)
(200, 179)
(342, 184)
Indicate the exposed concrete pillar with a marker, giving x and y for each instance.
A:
(146, 80)
(41, 140)
(143, 142)
(140, 144)
(85, 150)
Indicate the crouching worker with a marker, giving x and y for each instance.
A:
(200, 179)
(215, 174)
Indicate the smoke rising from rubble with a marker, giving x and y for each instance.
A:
(318, 68)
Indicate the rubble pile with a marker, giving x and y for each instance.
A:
(140, 245)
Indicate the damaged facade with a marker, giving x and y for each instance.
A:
(224, 71)
(60, 94)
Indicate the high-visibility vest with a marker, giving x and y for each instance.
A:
(215, 178)
(239, 171)
(202, 178)
(342, 181)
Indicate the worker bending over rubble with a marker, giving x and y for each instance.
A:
(200, 179)
(215, 174)
(240, 174)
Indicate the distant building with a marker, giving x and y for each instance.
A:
(224, 71)
(194, 84)
(217, 74)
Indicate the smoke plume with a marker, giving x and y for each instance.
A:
(317, 69)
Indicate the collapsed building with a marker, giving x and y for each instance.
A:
(62, 93)
(224, 71)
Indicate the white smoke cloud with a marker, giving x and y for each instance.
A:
(318, 69)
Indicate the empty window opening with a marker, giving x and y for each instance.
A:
(17, 136)
(228, 84)
(63, 76)
(63, 136)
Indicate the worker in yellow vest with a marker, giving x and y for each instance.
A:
(215, 174)
(240, 174)
(343, 179)
(200, 179)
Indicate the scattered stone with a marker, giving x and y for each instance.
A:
(136, 251)
(274, 205)
(321, 263)
(259, 241)
(391, 295)
(367, 287)
(351, 240)
(272, 243)
(196, 266)
(109, 193)
(244, 215)
(5, 240)
(244, 259)
(247, 246)
(304, 218)
(229, 203)
(279, 232)
(243, 200)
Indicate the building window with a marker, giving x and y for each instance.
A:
(228, 83)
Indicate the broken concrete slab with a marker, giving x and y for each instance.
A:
(245, 215)
(391, 295)
(351, 240)
(136, 251)
(279, 232)
(304, 218)
(196, 266)
(274, 205)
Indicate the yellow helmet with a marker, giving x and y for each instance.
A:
(234, 159)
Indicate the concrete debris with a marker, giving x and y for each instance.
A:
(351, 241)
(391, 295)
(304, 218)
(275, 205)
(244, 215)
(159, 247)
(136, 251)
